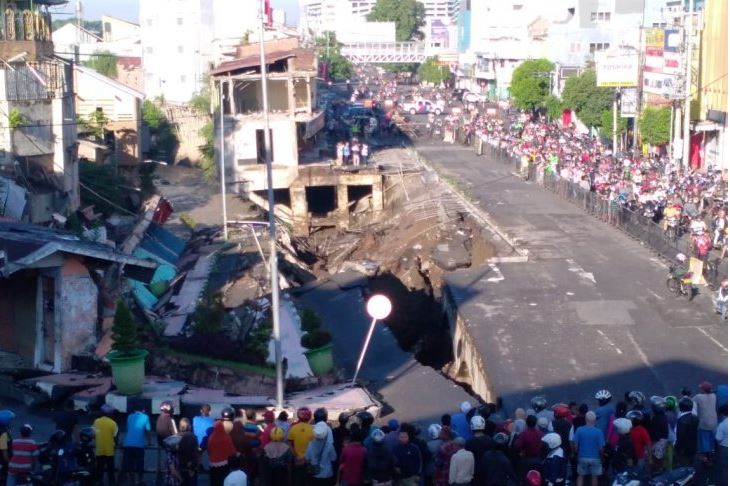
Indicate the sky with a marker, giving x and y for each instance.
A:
(129, 9)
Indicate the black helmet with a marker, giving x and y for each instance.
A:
(344, 417)
(87, 434)
(57, 438)
(366, 419)
(320, 415)
(227, 413)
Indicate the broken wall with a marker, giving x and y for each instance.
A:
(78, 297)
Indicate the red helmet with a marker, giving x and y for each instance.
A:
(269, 416)
(304, 414)
(561, 410)
(534, 478)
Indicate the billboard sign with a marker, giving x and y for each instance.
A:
(655, 38)
(616, 70)
(629, 102)
(660, 84)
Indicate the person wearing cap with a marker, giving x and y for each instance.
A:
(461, 464)
(588, 441)
(379, 463)
(277, 459)
(460, 421)
(706, 402)
(25, 451)
(685, 445)
(319, 456)
(106, 436)
(269, 425)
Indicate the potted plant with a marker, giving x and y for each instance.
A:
(318, 343)
(126, 358)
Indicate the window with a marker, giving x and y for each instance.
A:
(594, 16)
(179, 21)
(598, 46)
(180, 49)
(517, 7)
(600, 16)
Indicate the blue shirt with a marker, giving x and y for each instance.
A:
(460, 425)
(322, 453)
(137, 424)
(589, 441)
(201, 425)
(603, 416)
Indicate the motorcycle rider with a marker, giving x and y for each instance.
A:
(23, 460)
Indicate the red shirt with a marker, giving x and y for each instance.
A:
(530, 442)
(352, 464)
(641, 440)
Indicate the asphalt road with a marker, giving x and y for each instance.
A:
(588, 310)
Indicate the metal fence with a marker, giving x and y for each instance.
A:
(631, 222)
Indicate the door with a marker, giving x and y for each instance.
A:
(48, 285)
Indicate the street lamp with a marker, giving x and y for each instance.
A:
(378, 307)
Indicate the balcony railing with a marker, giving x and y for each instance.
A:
(25, 25)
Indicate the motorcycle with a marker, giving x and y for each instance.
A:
(680, 476)
(680, 286)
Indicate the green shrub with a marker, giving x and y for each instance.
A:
(124, 330)
(316, 339)
(208, 316)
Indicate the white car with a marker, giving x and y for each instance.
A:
(422, 106)
(471, 97)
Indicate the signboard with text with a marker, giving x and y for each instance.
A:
(617, 69)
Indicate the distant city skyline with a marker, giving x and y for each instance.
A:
(129, 9)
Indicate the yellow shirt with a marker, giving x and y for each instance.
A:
(300, 435)
(106, 430)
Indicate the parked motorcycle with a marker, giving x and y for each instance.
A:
(680, 476)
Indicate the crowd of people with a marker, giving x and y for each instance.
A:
(476, 445)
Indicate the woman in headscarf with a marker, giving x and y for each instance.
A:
(220, 448)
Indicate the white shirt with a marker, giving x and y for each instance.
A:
(461, 467)
(721, 434)
(236, 478)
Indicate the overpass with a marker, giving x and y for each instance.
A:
(384, 52)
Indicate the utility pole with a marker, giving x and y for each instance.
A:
(223, 161)
(616, 96)
(273, 260)
(689, 22)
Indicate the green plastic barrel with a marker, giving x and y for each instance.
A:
(320, 359)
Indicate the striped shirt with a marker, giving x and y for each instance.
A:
(23, 452)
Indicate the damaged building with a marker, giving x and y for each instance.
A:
(51, 283)
(308, 194)
(38, 148)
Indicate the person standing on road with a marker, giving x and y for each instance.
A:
(352, 462)
(300, 435)
(460, 421)
(588, 441)
(408, 461)
(25, 451)
(685, 446)
(460, 464)
(164, 428)
(706, 402)
(346, 152)
(138, 434)
(721, 438)
(379, 461)
(220, 449)
(319, 456)
(203, 425)
(188, 454)
(106, 438)
(364, 153)
(277, 460)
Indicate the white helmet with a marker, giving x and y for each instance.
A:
(552, 440)
(603, 395)
(477, 423)
(681, 257)
(622, 425)
(320, 430)
(465, 407)
(434, 430)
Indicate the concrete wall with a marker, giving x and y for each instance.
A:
(78, 297)
(468, 365)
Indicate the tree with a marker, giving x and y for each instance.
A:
(164, 140)
(606, 130)
(555, 107)
(433, 72)
(530, 85)
(207, 152)
(338, 66)
(588, 100)
(95, 124)
(654, 125)
(124, 330)
(152, 115)
(408, 16)
(103, 62)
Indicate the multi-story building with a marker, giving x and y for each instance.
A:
(176, 40)
(307, 195)
(38, 148)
